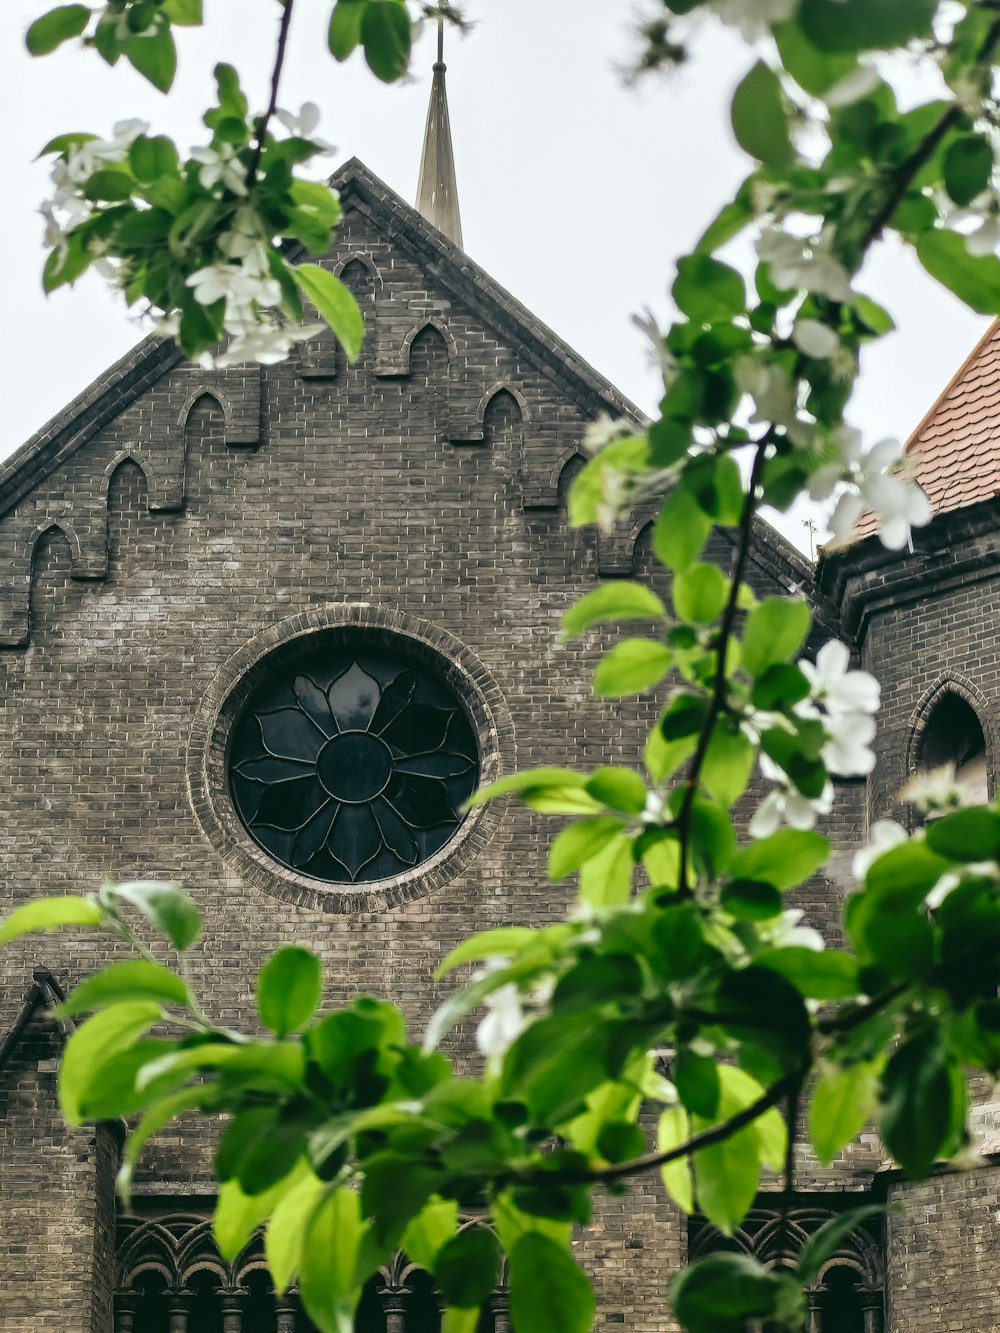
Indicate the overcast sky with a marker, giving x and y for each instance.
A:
(577, 190)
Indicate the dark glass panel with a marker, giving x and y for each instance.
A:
(353, 698)
(352, 765)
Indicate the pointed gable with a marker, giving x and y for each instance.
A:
(956, 448)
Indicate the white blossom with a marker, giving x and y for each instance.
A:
(885, 834)
(846, 751)
(304, 124)
(785, 804)
(835, 686)
(602, 430)
(861, 81)
(934, 791)
(804, 263)
(504, 1023)
(786, 932)
(814, 338)
(753, 18)
(265, 343)
(235, 284)
(771, 389)
(900, 504)
(221, 167)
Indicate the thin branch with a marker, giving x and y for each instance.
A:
(272, 106)
(718, 696)
(902, 176)
(717, 1134)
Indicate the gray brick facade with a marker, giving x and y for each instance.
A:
(174, 526)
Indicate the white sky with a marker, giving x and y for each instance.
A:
(577, 191)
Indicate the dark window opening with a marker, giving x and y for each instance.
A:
(954, 735)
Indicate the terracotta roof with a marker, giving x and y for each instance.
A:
(956, 448)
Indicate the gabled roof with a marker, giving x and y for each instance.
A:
(44, 993)
(152, 358)
(955, 451)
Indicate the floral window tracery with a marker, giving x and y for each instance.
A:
(352, 766)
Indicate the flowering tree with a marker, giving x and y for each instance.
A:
(680, 986)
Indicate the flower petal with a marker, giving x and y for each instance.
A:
(356, 838)
(290, 733)
(353, 697)
(311, 838)
(290, 805)
(270, 769)
(422, 802)
(395, 833)
(395, 697)
(441, 764)
(419, 729)
(313, 702)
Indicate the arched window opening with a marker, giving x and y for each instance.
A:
(954, 735)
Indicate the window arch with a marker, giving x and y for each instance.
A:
(951, 732)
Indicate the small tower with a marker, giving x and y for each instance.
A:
(437, 187)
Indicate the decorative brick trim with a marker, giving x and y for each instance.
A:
(208, 788)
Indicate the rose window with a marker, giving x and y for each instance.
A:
(352, 766)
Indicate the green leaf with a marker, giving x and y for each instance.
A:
(154, 55)
(237, 1215)
(728, 763)
(529, 779)
(751, 900)
(631, 667)
(967, 835)
(968, 166)
(606, 879)
(203, 1097)
(813, 69)
(185, 13)
(329, 1281)
(51, 914)
(784, 858)
(111, 186)
(505, 942)
(917, 1102)
(775, 631)
(466, 1267)
(618, 788)
(289, 989)
(133, 980)
(454, 1320)
(345, 27)
(865, 25)
(166, 905)
(820, 975)
(286, 1231)
(698, 1084)
(386, 34)
(549, 1293)
(726, 1177)
(823, 1244)
(843, 1101)
(153, 156)
(579, 842)
(334, 302)
(681, 530)
(699, 593)
(94, 1044)
(612, 602)
(708, 291)
(56, 27)
(759, 120)
(975, 279)
(674, 1129)
(426, 1233)
(721, 1293)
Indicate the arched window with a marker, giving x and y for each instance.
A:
(953, 734)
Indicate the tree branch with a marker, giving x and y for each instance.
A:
(718, 696)
(272, 106)
(716, 1134)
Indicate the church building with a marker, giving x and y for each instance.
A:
(264, 629)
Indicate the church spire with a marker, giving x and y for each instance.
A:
(437, 188)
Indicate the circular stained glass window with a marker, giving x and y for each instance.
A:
(352, 766)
